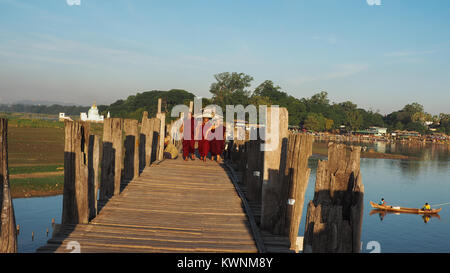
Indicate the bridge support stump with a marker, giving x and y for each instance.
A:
(334, 217)
(131, 161)
(93, 174)
(8, 229)
(111, 158)
(75, 196)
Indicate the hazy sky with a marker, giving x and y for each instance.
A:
(378, 56)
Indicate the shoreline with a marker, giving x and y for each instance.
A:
(376, 155)
(35, 193)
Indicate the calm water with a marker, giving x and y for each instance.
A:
(35, 214)
(408, 183)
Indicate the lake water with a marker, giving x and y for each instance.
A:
(408, 183)
(35, 215)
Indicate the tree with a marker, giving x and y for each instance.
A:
(329, 124)
(315, 122)
(230, 87)
(320, 98)
(353, 120)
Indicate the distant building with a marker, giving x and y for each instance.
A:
(92, 115)
(62, 117)
(372, 131)
(378, 130)
(405, 134)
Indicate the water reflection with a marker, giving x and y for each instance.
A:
(34, 216)
(406, 183)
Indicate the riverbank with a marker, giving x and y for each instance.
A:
(37, 186)
(369, 154)
(419, 140)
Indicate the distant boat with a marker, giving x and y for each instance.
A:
(404, 210)
(383, 213)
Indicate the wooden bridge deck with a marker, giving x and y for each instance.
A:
(174, 206)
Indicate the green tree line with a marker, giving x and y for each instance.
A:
(316, 113)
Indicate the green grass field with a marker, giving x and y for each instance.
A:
(35, 169)
(32, 187)
(36, 153)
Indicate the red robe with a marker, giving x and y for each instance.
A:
(188, 137)
(203, 143)
(218, 145)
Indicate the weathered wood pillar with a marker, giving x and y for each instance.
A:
(93, 174)
(8, 230)
(131, 163)
(143, 141)
(254, 171)
(334, 217)
(75, 196)
(111, 158)
(162, 131)
(296, 177)
(155, 126)
(272, 218)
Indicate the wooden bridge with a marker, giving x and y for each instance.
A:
(122, 196)
(173, 206)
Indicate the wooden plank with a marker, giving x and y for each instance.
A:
(174, 210)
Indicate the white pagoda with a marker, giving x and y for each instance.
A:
(92, 115)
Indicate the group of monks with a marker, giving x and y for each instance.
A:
(209, 136)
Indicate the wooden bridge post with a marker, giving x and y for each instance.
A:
(162, 131)
(274, 161)
(112, 158)
(254, 171)
(93, 174)
(131, 163)
(334, 217)
(75, 196)
(297, 176)
(143, 141)
(8, 229)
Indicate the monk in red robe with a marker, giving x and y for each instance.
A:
(188, 129)
(217, 144)
(203, 144)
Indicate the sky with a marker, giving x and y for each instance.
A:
(380, 57)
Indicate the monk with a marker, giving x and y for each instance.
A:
(203, 133)
(217, 144)
(188, 137)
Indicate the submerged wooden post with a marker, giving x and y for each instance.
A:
(131, 163)
(296, 176)
(8, 230)
(112, 158)
(75, 196)
(93, 174)
(274, 161)
(334, 217)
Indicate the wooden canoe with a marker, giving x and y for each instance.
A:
(404, 210)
